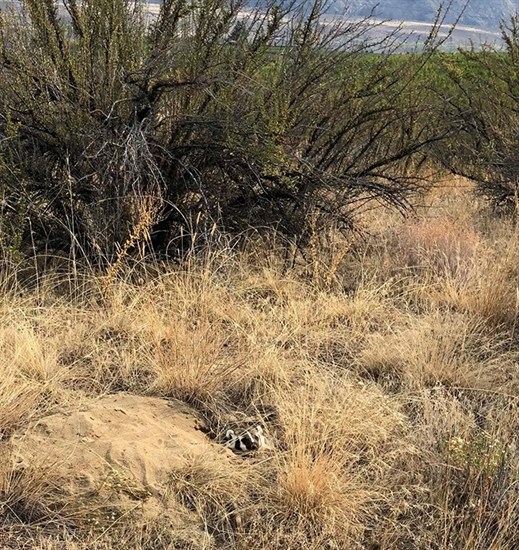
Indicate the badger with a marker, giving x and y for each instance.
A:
(250, 440)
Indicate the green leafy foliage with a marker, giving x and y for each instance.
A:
(481, 99)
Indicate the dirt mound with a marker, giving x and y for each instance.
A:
(113, 457)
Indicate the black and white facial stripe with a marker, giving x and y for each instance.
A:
(250, 440)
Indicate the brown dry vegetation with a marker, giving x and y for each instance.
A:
(385, 371)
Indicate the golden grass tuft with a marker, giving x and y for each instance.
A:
(441, 348)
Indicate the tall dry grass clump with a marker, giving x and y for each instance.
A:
(336, 435)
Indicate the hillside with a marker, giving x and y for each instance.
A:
(478, 23)
(479, 13)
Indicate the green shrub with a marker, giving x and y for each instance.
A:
(116, 133)
(481, 113)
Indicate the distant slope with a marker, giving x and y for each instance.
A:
(484, 14)
(479, 21)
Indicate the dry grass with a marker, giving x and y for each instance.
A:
(385, 372)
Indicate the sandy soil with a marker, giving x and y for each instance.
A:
(114, 455)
